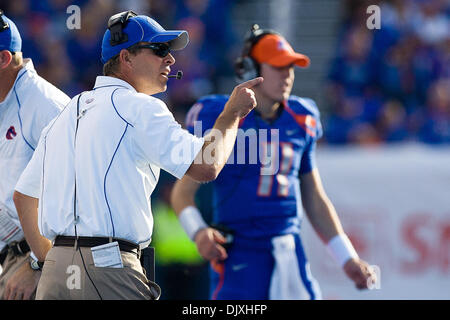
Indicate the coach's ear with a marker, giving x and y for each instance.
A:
(125, 59)
(5, 59)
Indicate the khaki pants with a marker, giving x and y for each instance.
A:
(11, 264)
(69, 275)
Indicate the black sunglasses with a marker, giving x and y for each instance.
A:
(159, 49)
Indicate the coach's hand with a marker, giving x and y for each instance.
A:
(242, 99)
(209, 243)
(22, 284)
(361, 273)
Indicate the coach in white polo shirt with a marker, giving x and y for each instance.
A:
(27, 104)
(97, 164)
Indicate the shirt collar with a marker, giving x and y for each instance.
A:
(106, 81)
(27, 65)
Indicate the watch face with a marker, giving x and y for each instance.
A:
(34, 265)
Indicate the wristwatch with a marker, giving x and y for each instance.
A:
(36, 265)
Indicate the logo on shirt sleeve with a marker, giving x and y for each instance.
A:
(307, 122)
(11, 133)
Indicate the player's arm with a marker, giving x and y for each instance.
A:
(325, 221)
(208, 240)
(319, 209)
(220, 141)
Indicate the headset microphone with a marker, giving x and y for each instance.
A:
(177, 76)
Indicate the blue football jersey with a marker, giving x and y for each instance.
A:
(257, 194)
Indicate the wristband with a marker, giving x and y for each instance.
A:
(341, 249)
(191, 220)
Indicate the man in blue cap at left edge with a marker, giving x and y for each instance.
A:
(27, 104)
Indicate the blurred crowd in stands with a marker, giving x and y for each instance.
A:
(391, 84)
(386, 85)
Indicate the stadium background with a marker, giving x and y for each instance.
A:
(384, 96)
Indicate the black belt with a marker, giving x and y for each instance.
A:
(18, 247)
(69, 241)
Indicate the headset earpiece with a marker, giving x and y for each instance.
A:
(116, 24)
(3, 23)
(246, 68)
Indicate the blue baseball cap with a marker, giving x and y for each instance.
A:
(9, 35)
(143, 29)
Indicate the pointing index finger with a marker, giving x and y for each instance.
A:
(251, 83)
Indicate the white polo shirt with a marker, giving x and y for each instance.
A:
(123, 139)
(29, 106)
